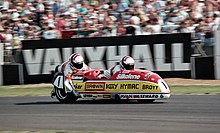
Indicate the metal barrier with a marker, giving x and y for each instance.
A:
(198, 48)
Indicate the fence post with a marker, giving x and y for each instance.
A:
(217, 54)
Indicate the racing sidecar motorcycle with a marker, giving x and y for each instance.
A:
(140, 85)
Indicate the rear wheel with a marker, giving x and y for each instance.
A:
(64, 97)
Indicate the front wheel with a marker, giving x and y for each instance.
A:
(64, 97)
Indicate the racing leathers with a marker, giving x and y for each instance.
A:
(111, 71)
(69, 70)
(126, 63)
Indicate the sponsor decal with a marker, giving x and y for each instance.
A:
(87, 95)
(95, 96)
(77, 77)
(106, 96)
(79, 86)
(100, 96)
(127, 76)
(130, 86)
(95, 86)
(140, 96)
(111, 86)
(146, 87)
(126, 71)
(147, 75)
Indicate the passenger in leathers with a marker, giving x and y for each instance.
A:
(126, 63)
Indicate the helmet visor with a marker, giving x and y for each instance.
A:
(129, 66)
(78, 65)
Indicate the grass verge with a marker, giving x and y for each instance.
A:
(195, 89)
(25, 90)
(44, 90)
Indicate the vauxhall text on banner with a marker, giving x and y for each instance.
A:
(160, 53)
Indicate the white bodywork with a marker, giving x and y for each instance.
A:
(58, 82)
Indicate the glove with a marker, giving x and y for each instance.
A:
(101, 76)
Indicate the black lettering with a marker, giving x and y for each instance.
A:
(149, 87)
(94, 86)
(137, 86)
(78, 86)
(123, 86)
(111, 86)
(122, 96)
(133, 86)
(129, 86)
(136, 96)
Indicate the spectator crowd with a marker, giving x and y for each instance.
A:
(56, 19)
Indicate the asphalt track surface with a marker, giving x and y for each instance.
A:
(179, 114)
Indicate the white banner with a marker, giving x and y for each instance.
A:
(217, 54)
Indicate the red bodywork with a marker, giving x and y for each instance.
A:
(135, 74)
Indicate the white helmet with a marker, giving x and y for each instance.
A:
(76, 61)
(127, 63)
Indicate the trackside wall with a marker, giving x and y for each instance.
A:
(166, 54)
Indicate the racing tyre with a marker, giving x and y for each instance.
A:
(65, 97)
(146, 100)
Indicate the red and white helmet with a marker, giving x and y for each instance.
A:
(127, 63)
(76, 60)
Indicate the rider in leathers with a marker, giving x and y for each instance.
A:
(71, 67)
(126, 63)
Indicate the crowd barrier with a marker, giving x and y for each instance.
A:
(169, 55)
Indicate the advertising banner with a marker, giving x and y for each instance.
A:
(167, 54)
